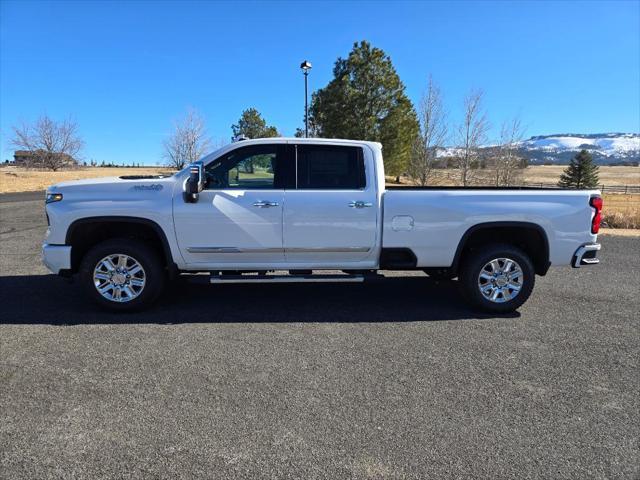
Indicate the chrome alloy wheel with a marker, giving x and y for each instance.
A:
(119, 278)
(500, 280)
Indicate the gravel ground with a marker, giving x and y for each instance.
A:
(391, 379)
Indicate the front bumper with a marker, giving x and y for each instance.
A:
(586, 255)
(56, 257)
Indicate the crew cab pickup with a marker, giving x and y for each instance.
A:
(309, 210)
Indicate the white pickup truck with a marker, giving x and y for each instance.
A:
(290, 210)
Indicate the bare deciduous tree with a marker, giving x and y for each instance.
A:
(506, 162)
(471, 133)
(188, 142)
(51, 145)
(433, 133)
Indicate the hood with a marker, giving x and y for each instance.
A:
(125, 179)
(83, 183)
(113, 188)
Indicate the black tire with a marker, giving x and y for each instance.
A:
(473, 263)
(154, 273)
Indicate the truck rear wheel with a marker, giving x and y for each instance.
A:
(122, 274)
(497, 278)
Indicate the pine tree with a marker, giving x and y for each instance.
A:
(366, 100)
(252, 125)
(581, 172)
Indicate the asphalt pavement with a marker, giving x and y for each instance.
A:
(390, 379)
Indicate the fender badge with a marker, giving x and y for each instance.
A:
(153, 186)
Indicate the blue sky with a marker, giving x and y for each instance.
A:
(126, 70)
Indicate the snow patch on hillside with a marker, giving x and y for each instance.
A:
(606, 145)
(606, 148)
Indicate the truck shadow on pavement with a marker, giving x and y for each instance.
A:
(50, 300)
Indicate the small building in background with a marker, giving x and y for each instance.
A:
(27, 158)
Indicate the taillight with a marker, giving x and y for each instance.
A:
(596, 203)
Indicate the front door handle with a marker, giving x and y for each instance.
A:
(360, 204)
(265, 204)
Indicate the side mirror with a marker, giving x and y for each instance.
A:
(195, 183)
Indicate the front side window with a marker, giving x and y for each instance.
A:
(246, 168)
(330, 167)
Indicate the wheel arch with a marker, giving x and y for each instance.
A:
(84, 233)
(530, 237)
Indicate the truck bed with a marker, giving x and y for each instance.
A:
(431, 221)
(450, 187)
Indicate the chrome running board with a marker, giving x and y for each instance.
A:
(286, 278)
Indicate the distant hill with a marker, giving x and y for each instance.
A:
(606, 148)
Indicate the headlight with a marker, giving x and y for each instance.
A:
(53, 197)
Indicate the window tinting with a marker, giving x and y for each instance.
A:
(248, 168)
(330, 167)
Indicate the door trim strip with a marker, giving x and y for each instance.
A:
(327, 250)
(278, 250)
(232, 250)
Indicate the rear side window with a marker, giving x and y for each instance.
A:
(330, 167)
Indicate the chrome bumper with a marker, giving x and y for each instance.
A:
(56, 257)
(586, 255)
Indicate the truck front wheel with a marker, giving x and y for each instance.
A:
(497, 278)
(122, 274)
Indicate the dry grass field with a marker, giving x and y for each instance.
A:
(15, 179)
(608, 175)
(620, 211)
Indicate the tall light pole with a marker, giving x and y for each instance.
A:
(306, 66)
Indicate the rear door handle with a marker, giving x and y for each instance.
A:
(360, 204)
(265, 204)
